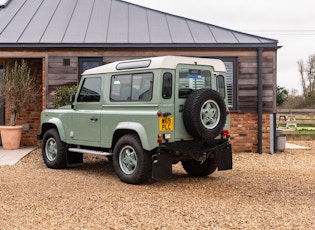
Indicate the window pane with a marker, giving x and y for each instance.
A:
(133, 64)
(146, 87)
(120, 87)
(192, 79)
(136, 87)
(229, 83)
(91, 90)
(88, 63)
(167, 86)
(221, 85)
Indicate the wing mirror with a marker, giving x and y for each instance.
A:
(72, 99)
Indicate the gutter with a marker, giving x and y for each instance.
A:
(141, 45)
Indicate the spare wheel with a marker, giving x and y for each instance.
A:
(204, 114)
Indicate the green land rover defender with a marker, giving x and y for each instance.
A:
(144, 115)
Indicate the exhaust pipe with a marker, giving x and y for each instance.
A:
(155, 159)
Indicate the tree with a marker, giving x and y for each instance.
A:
(307, 73)
(18, 88)
(282, 95)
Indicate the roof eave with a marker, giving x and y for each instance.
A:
(272, 45)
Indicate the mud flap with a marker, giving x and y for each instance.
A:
(162, 167)
(225, 158)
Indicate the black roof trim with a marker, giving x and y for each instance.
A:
(139, 45)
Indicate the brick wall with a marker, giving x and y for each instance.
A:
(244, 132)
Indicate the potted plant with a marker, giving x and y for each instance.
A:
(18, 89)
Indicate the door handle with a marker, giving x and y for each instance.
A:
(180, 109)
(94, 119)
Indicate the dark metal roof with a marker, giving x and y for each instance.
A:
(110, 23)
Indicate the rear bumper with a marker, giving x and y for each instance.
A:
(191, 150)
(198, 150)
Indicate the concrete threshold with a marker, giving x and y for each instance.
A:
(11, 157)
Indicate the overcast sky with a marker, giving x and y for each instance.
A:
(291, 22)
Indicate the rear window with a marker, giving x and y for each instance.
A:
(192, 79)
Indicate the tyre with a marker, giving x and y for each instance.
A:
(132, 164)
(198, 169)
(54, 151)
(204, 114)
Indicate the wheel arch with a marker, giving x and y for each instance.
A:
(135, 128)
(53, 123)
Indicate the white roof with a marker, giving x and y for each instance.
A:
(164, 62)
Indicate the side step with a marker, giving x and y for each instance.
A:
(78, 150)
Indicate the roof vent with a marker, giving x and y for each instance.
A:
(4, 3)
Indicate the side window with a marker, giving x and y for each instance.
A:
(91, 90)
(221, 85)
(120, 87)
(132, 87)
(167, 86)
(146, 87)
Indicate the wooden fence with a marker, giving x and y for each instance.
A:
(296, 119)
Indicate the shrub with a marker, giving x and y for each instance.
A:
(62, 95)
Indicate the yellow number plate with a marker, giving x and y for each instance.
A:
(166, 124)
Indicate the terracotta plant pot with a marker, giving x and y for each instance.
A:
(11, 136)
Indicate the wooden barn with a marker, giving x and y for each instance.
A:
(62, 38)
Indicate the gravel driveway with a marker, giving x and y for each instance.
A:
(261, 192)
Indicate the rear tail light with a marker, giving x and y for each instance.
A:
(162, 137)
(226, 133)
(159, 138)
